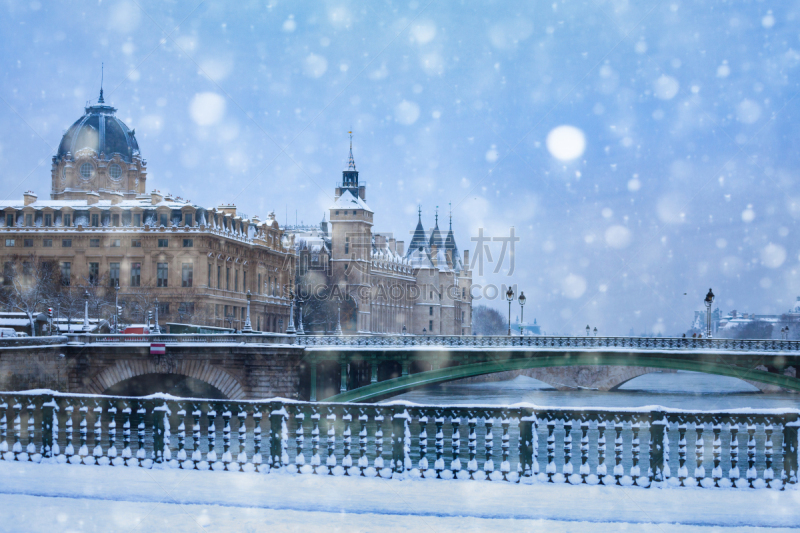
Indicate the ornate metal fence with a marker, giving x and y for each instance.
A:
(756, 449)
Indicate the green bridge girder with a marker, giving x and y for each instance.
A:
(737, 365)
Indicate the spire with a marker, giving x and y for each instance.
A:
(351, 164)
(100, 100)
(419, 219)
(451, 216)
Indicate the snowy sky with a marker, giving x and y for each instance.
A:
(641, 150)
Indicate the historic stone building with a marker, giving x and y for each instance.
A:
(101, 227)
(422, 290)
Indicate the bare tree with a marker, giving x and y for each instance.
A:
(70, 302)
(31, 288)
(488, 321)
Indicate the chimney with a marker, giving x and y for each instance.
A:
(30, 197)
(92, 198)
(380, 241)
(116, 197)
(400, 247)
(466, 259)
(393, 244)
(155, 197)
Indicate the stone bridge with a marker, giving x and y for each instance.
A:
(359, 368)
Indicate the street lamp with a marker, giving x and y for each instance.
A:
(587, 330)
(86, 327)
(248, 328)
(595, 331)
(404, 329)
(510, 298)
(521, 312)
(290, 329)
(158, 329)
(708, 301)
(300, 330)
(338, 318)
(116, 309)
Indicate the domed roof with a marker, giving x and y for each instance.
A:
(101, 131)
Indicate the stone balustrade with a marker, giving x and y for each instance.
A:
(523, 444)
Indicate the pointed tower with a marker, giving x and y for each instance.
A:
(350, 177)
(451, 249)
(418, 241)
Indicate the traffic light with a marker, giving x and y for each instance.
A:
(50, 312)
(119, 309)
(149, 316)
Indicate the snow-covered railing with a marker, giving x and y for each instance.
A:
(536, 341)
(184, 338)
(523, 443)
(32, 341)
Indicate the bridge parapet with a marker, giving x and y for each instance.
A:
(528, 437)
(267, 338)
(549, 342)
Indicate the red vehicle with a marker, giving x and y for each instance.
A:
(136, 329)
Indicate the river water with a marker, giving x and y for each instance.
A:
(683, 390)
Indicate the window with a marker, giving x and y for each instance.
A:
(113, 275)
(47, 243)
(9, 242)
(463, 293)
(137, 219)
(115, 243)
(86, 171)
(66, 243)
(65, 273)
(258, 287)
(430, 311)
(219, 277)
(9, 221)
(236, 280)
(188, 243)
(94, 272)
(187, 219)
(163, 243)
(94, 243)
(27, 243)
(162, 274)
(186, 308)
(209, 275)
(430, 326)
(244, 281)
(115, 220)
(136, 243)
(29, 220)
(8, 273)
(48, 220)
(187, 273)
(337, 212)
(243, 313)
(164, 221)
(136, 274)
(115, 172)
(227, 278)
(67, 221)
(346, 245)
(163, 308)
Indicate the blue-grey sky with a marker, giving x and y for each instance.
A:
(643, 151)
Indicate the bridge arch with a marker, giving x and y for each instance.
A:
(760, 378)
(213, 375)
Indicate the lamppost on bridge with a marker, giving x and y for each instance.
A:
(116, 309)
(338, 319)
(248, 328)
(404, 329)
(587, 330)
(290, 328)
(300, 330)
(157, 329)
(595, 331)
(521, 312)
(510, 298)
(708, 301)
(86, 327)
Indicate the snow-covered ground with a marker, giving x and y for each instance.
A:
(90, 498)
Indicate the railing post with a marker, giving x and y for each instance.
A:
(275, 429)
(790, 441)
(158, 433)
(525, 443)
(313, 382)
(658, 426)
(399, 418)
(48, 408)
